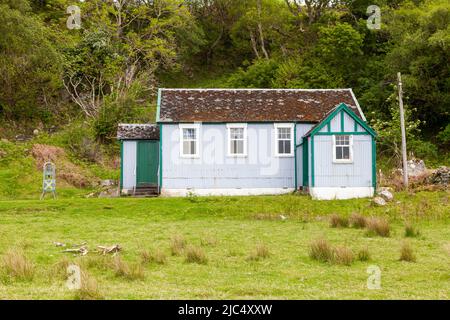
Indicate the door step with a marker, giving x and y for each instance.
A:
(146, 192)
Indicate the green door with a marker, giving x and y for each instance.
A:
(147, 163)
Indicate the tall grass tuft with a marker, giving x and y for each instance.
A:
(127, 271)
(358, 221)
(378, 226)
(261, 251)
(17, 266)
(411, 231)
(89, 288)
(321, 250)
(177, 245)
(337, 221)
(342, 255)
(195, 255)
(407, 253)
(154, 256)
(364, 254)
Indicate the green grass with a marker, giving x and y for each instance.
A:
(238, 224)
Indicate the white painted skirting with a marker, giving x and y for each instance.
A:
(225, 192)
(341, 193)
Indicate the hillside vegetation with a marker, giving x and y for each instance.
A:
(83, 81)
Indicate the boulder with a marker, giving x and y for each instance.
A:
(386, 195)
(416, 167)
(379, 201)
(108, 183)
(441, 176)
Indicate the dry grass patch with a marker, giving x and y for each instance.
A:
(358, 221)
(154, 256)
(208, 241)
(447, 248)
(177, 245)
(261, 251)
(411, 231)
(364, 254)
(342, 255)
(88, 288)
(128, 271)
(378, 226)
(17, 266)
(407, 253)
(321, 250)
(337, 221)
(195, 255)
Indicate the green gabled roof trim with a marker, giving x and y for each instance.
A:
(341, 109)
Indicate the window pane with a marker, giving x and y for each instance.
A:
(346, 153)
(240, 147)
(189, 134)
(237, 133)
(287, 147)
(338, 153)
(186, 147)
(284, 133)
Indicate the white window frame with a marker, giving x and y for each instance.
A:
(350, 147)
(284, 125)
(237, 126)
(197, 127)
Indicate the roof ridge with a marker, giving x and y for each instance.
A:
(252, 89)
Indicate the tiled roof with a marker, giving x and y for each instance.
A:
(252, 105)
(138, 132)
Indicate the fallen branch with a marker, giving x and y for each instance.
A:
(115, 249)
(83, 250)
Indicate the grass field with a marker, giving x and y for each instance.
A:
(226, 231)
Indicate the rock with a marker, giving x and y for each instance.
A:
(416, 167)
(112, 193)
(36, 132)
(5, 140)
(379, 201)
(441, 176)
(108, 183)
(386, 195)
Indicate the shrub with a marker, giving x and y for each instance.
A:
(320, 250)
(17, 266)
(155, 256)
(406, 253)
(343, 256)
(358, 221)
(89, 288)
(364, 254)
(178, 244)
(127, 271)
(378, 226)
(195, 255)
(411, 231)
(261, 252)
(337, 221)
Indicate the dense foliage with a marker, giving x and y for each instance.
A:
(108, 70)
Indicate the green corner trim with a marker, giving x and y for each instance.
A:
(305, 152)
(121, 167)
(312, 162)
(295, 157)
(374, 163)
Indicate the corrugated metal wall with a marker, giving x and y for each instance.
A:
(129, 164)
(214, 169)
